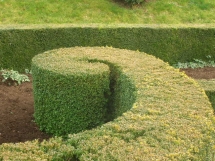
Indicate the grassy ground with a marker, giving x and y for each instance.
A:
(106, 11)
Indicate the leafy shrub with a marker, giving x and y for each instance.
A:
(132, 2)
(11, 76)
(197, 63)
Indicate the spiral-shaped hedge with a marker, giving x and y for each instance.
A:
(171, 117)
(73, 92)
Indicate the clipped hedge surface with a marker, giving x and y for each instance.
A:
(173, 44)
(69, 96)
(73, 93)
(171, 119)
(209, 87)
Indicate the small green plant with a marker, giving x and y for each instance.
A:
(133, 2)
(27, 71)
(197, 63)
(14, 76)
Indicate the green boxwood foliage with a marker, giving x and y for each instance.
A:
(19, 44)
(73, 93)
(53, 149)
(209, 87)
(171, 119)
(69, 95)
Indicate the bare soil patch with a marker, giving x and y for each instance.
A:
(201, 73)
(16, 114)
(17, 108)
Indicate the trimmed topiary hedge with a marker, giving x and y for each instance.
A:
(171, 118)
(73, 93)
(173, 44)
(69, 96)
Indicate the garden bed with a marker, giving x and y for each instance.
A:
(16, 114)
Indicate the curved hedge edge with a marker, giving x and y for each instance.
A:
(122, 91)
(172, 118)
(209, 87)
(54, 148)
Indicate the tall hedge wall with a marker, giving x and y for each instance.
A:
(171, 118)
(18, 44)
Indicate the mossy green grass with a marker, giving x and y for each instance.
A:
(106, 11)
(171, 118)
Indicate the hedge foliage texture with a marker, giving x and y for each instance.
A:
(209, 87)
(73, 92)
(173, 44)
(171, 118)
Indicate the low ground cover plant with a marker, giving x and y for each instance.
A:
(13, 77)
(197, 63)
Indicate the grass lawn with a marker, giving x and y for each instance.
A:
(106, 11)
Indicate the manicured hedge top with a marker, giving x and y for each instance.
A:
(171, 119)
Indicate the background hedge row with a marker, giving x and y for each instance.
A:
(172, 44)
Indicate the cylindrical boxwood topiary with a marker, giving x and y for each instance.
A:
(70, 94)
